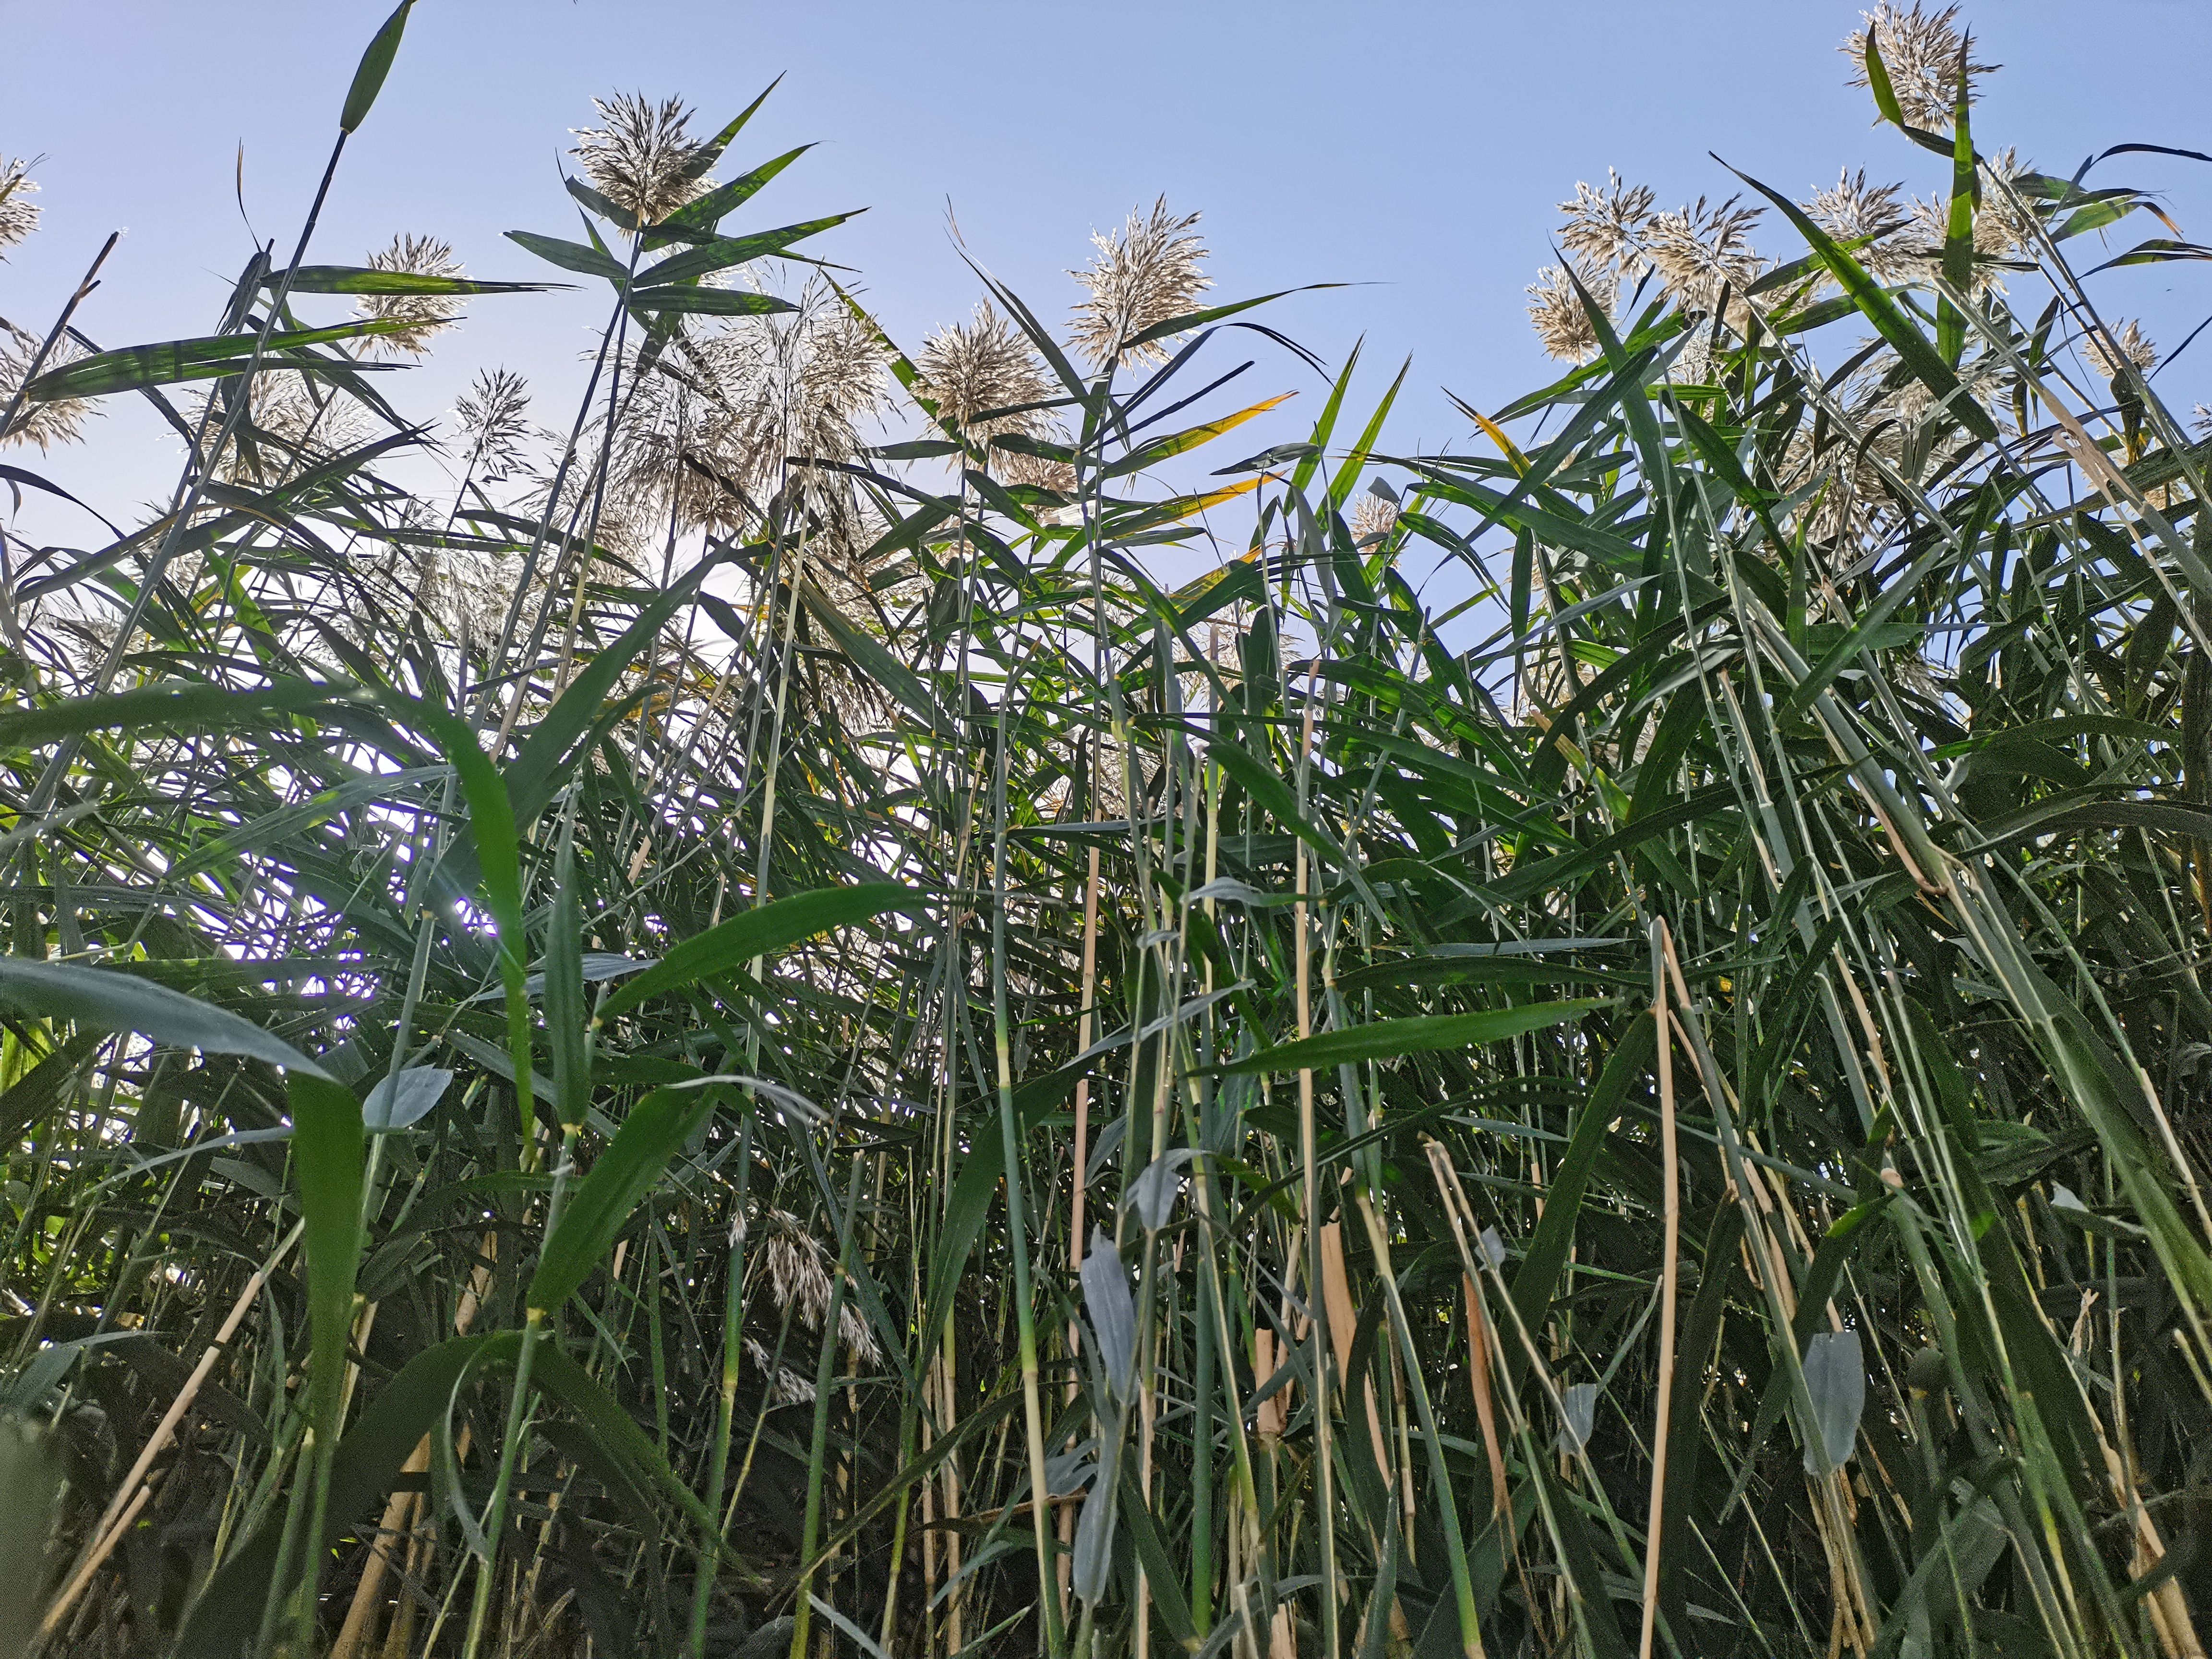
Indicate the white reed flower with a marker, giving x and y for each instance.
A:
(1700, 250)
(44, 424)
(19, 215)
(1375, 514)
(644, 159)
(971, 370)
(2004, 221)
(1865, 219)
(1604, 226)
(491, 414)
(790, 1387)
(1693, 365)
(2002, 228)
(1142, 275)
(1920, 49)
(290, 423)
(1559, 315)
(730, 416)
(2133, 346)
(798, 1268)
(420, 315)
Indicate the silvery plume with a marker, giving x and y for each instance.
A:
(290, 422)
(2108, 348)
(1604, 228)
(420, 315)
(986, 381)
(19, 215)
(982, 368)
(1865, 218)
(729, 418)
(1141, 276)
(2003, 225)
(789, 1387)
(1374, 515)
(60, 422)
(644, 159)
(1559, 315)
(798, 1268)
(1701, 252)
(1920, 50)
(491, 414)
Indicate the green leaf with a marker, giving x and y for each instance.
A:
(491, 823)
(367, 279)
(617, 215)
(707, 302)
(1546, 1255)
(1878, 81)
(327, 1139)
(725, 251)
(375, 64)
(104, 1000)
(402, 1100)
(173, 705)
(757, 931)
(1959, 228)
(564, 985)
(558, 1375)
(133, 369)
(39, 1091)
(571, 256)
(1835, 1377)
(1387, 1039)
(655, 1129)
(696, 219)
(874, 661)
(385, 1433)
(1192, 319)
(1892, 324)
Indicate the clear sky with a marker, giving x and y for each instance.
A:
(1417, 150)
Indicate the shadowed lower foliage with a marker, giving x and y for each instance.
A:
(727, 1038)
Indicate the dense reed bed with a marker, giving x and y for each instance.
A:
(737, 1033)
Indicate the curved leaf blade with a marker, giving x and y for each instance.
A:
(1389, 1039)
(114, 1001)
(757, 931)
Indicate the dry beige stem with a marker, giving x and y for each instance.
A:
(133, 1491)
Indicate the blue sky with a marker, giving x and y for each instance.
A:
(1416, 150)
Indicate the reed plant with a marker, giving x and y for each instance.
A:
(739, 1032)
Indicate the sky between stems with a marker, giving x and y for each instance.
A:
(1420, 150)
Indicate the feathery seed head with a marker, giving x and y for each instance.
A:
(798, 1268)
(716, 419)
(1604, 226)
(48, 423)
(1920, 50)
(1699, 251)
(796, 1276)
(422, 314)
(2127, 344)
(1865, 219)
(644, 159)
(1375, 514)
(19, 215)
(970, 370)
(1143, 275)
(1557, 311)
(491, 413)
(789, 1388)
(290, 423)
(2002, 229)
